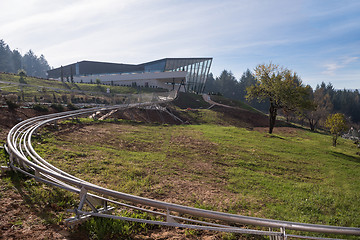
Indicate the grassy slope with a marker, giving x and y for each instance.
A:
(233, 103)
(295, 175)
(46, 88)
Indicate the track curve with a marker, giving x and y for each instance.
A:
(24, 158)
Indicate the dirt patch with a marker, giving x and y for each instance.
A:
(242, 118)
(147, 115)
(201, 183)
(19, 221)
(9, 118)
(287, 131)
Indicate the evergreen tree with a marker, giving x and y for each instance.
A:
(16, 60)
(12, 62)
(5, 57)
(210, 85)
(247, 80)
(62, 73)
(227, 83)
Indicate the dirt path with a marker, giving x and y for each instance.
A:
(207, 98)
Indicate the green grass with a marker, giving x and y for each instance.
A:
(104, 228)
(233, 103)
(47, 202)
(295, 176)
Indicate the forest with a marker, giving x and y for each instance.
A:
(11, 61)
(328, 99)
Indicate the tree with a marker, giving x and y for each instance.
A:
(11, 61)
(5, 57)
(16, 59)
(210, 85)
(71, 75)
(247, 80)
(29, 62)
(35, 66)
(227, 84)
(22, 74)
(281, 87)
(43, 66)
(336, 124)
(322, 107)
(62, 73)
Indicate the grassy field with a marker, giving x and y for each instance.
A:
(219, 163)
(233, 103)
(293, 175)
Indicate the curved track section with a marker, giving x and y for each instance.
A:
(99, 201)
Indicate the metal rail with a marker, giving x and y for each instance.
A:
(23, 158)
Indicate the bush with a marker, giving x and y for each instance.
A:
(71, 106)
(22, 80)
(40, 108)
(57, 107)
(11, 104)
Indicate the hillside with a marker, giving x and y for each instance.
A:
(291, 175)
(217, 158)
(40, 90)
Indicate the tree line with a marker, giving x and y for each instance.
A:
(11, 61)
(320, 102)
(228, 86)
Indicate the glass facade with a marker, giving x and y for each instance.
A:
(157, 66)
(77, 69)
(197, 69)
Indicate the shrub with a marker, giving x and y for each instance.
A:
(336, 123)
(57, 107)
(11, 104)
(22, 80)
(71, 106)
(40, 108)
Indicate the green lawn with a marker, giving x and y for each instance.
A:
(233, 103)
(295, 175)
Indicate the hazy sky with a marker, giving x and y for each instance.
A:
(319, 39)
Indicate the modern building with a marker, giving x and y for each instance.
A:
(186, 74)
